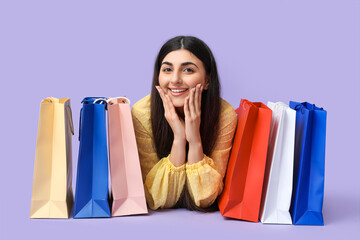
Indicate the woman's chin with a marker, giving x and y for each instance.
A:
(178, 105)
(178, 102)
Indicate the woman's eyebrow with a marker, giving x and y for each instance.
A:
(167, 63)
(189, 63)
(183, 64)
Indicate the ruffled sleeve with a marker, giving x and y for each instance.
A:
(164, 184)
(205, 178)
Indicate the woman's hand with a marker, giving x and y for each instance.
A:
(185, 131)
(176, 123)
(192, 110)
(177, 154)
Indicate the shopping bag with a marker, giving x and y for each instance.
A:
(277, 190)
(309, 164)
(126, 180)
(92, 194)
(52, 195)
(241, 196)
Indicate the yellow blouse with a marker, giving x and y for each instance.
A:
(163, 181)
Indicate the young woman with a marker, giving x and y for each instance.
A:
(184, 130)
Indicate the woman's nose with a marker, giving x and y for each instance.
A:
(176, 78)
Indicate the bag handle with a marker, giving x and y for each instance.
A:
(50, 99)
(70, 119)
(245, 104)
(101, 100)
(124, 98)
(300, 107)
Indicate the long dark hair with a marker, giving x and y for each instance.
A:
(210, 106)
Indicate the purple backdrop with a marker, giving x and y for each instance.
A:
(265, 50)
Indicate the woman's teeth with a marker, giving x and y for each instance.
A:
(178, 90)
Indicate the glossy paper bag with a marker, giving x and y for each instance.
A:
(126, 181)
(241, 196)
(52, 195)
(91, 195)
(277, 190)
(309, 164)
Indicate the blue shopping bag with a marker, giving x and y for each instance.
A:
(309, 164)
(91, 195)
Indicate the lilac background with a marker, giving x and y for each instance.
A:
(265, 50)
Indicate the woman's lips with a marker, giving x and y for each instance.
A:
(177, 91)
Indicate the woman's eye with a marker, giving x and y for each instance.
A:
(166, 69)
(189, 70)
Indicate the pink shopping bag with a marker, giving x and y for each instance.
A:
(126, 180)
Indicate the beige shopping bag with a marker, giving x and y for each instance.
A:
(52, 195)
(126, 181)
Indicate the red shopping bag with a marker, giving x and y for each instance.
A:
(241, 196)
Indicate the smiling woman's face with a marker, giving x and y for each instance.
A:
(181, 71)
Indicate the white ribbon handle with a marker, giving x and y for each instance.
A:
(100, 99)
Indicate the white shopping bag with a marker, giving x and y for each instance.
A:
(278, 182)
